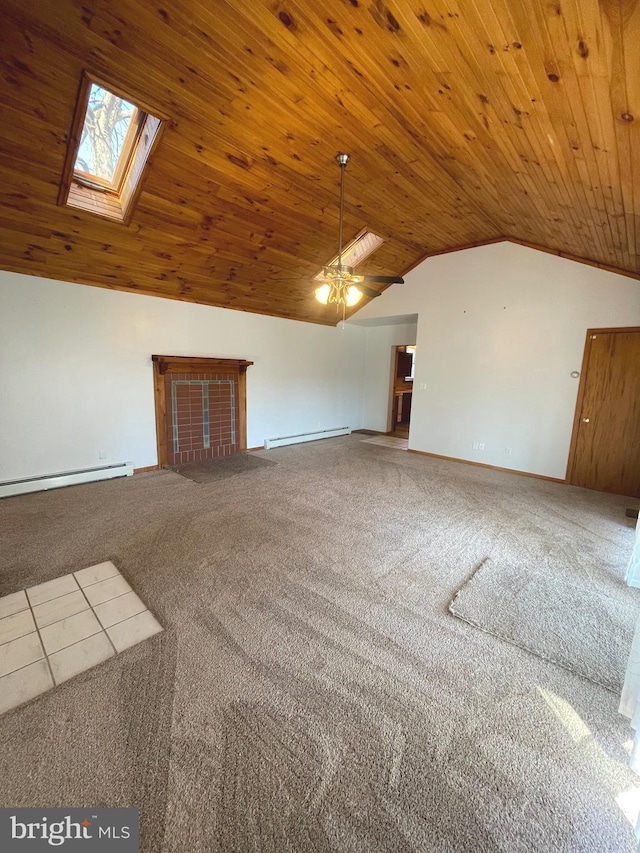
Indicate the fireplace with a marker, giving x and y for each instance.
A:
(200, 408)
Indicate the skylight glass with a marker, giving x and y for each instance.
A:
(108, 134)
(357, 250)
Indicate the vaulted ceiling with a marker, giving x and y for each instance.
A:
(466, 121)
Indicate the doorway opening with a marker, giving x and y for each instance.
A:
(402, 389)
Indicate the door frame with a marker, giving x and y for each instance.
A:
(591, 333)
(392, 410)
(163, 364)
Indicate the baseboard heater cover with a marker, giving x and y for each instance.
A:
(305, 436)
(67, 478)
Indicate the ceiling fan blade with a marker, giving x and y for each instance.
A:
(382, 279)
(369, 292)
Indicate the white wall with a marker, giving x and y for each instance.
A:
(500, 329)
(76, 374)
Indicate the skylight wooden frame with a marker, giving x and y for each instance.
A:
(93, 194)
(349, 247)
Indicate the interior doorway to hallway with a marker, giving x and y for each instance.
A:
(402, 389)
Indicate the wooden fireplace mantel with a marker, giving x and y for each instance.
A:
(188, 364)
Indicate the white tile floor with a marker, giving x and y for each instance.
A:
(388, 441)
(53, 631)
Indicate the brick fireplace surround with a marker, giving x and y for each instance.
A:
(200, 408)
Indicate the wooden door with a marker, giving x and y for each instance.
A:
(606, 439)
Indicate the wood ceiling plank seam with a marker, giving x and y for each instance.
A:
(504, 75)
(605, 119)
(576, 239)
(240, 206)
(239, 227)
(74, 35)
(326, 58)
(444, 155)
(470, 112)
(16, 225)
(625, 93)
(613, 204)
(487, 85)
(560, 183)
(568, 204)
(587, 164)
(453, 136)
(228, 295)
(293, 258)
(539, 99)
(331, 204)
(565, 67)
(173, 140)
(14, 177)
(478, 118)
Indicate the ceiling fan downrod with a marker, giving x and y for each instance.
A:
(342, 160)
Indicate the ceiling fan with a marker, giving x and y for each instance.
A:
(340, 285)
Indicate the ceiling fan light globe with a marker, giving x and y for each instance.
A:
(322, 293)
(353, 296)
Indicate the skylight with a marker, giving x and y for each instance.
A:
(357, 250)
(111, 141)
(109, 132)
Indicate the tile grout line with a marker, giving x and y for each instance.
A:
(126, 618)
(97, 618)
(102, 630)
(24, 666)
(44, 651)
(71, 615)
(56, 597)
(71, 645)
(89, 607)
(87, 585)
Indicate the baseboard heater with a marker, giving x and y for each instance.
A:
(67, 478)
(305, 436)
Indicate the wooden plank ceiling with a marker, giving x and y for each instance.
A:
(466, 120)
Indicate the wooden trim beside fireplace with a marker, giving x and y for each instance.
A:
(163, 364)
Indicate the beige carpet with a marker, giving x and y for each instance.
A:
(310, 691)
(564, 614)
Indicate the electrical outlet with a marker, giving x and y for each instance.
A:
(508, 451)
(102, 454)
(481, 445)
(423, 386)
(478, 445)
